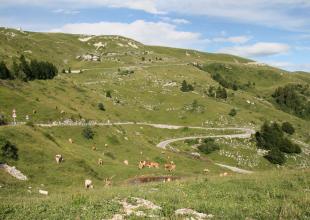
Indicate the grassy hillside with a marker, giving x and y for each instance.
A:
(150, 94)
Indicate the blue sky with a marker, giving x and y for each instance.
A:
(276, 32)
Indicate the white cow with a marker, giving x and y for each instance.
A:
(58, 158)
(88, 184)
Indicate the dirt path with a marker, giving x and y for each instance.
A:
(247, 132)
(234, 169)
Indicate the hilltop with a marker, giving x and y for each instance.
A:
(133, 97)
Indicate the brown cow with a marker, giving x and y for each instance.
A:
(170, 166)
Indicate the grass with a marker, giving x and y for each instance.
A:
(151, 94)
(281, 194)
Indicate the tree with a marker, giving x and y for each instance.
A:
(69, 70)
(8, 150)
(271, 138)
(208, 146)
(185, 87)
(288, 128)
(88, 133)
(25, 68)
(101, 106)
(5, 72)
(233, 112)
(221, 93)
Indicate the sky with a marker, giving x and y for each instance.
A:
(276, 32)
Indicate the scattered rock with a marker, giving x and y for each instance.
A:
(194, 214)
(13, 172)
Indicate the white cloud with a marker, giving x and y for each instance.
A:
(175, 20)
(66, 11)
(152, 33)
(272, 13)
(257, 50)
(233, 39)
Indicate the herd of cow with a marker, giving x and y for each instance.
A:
(142, 164)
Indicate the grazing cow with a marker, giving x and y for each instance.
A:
(88, 184)
(62, 112)
(170, 166)
(94, 148)
(58, 158)
(100, 161)
(106, 145)
(206, 171)
(126, 162)
(70, 140)
(152, 165)
(108, 181)
(223, 174)
(142, 164)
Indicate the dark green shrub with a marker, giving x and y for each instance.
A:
(8, 150)
(186, 87)
(275, 156)
(288, 147)
(208, 146)
(108, 94)
(88, 133)
(288, 128)
(2, 120)
(101, 107)
(233, 112)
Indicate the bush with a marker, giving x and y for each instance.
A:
(2, 120)
(208, 146)
(8, 150)
(275, 156)
(288, 128)
(88, 133)
(101, 107)
(233, 112)
(271, 138)
(186, 87)
(288, 147)
(108, 94)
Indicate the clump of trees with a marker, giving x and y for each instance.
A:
(186, 87)
(5, 73)
(28, 71)
(208, 146)
(88, 133)
(9, 151)
(271, 137)
(294, 98)
(219, 92)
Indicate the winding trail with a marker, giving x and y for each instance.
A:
(246, 133)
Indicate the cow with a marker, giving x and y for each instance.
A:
(58, 158)
(152, 165)
(223, 174)
(88, 184)
(100, 161)
(206, 171)
(94, 148)
(170, 166)
(142, 164)
(126, 162)
(70, 141)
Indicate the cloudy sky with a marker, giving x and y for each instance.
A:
(271, 31)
